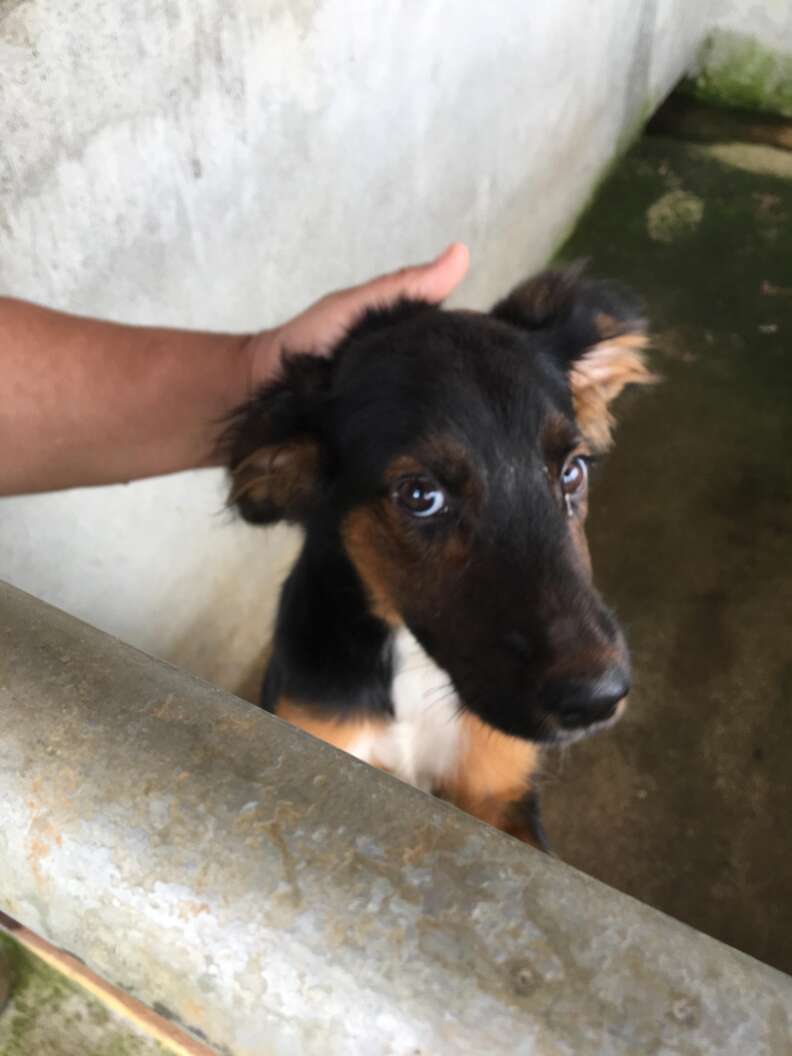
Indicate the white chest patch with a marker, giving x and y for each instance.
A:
(422, 745)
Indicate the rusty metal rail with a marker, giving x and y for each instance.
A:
(277, 897)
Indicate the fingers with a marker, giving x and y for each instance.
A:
(436, 280)
(433, 281)
(321, 326)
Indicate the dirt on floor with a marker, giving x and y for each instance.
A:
(49, 1016)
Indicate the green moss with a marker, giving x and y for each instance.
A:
(736, 70)
(674, 215)
(49, 1014)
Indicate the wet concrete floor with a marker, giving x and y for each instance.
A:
(688, 803)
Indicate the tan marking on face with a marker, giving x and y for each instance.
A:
(599, 376)
(339, 731)
(284, 475)
(370, 546)
(390, 552)
(494, 772)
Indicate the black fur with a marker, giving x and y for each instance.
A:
(517, 624)
(572, 309)
(327, 647)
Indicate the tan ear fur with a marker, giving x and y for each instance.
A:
(281, 478)
(597, 378)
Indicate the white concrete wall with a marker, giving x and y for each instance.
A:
(213, 164)
(768, 21)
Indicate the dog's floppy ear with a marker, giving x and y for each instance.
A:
(596, 329)
(273, 447)
(273, 443)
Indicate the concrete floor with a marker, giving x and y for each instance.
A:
(50, 1016)
(686, 805)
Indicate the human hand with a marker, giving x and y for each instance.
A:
(323, 324)
(101, 403)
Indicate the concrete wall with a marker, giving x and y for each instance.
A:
(768, 21)
(747, 59)
(207, 164)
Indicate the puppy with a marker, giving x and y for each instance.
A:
(441, 621)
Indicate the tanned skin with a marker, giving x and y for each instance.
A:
(88, 402)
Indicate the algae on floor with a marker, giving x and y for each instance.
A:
(685, 804)
(48, 1015)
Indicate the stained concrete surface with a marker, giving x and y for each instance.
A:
(686, 804)
(50, 1016)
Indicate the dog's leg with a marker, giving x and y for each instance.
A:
(495, 781)
(525, 822)
(517, 817)
(352, 735)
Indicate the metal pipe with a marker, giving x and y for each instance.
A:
(278, 897)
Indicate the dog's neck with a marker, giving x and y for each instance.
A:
(331, 653)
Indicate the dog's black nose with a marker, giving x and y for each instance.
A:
(582, 702)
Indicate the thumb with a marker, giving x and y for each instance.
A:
(433, 281)
(429, 282)
(436, 280)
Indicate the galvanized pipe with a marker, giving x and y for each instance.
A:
(280, 898)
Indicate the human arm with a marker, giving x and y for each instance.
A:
(87, 402)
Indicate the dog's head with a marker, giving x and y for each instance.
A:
(448, 451)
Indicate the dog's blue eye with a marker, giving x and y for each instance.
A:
(574, 475)
(420, 496)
